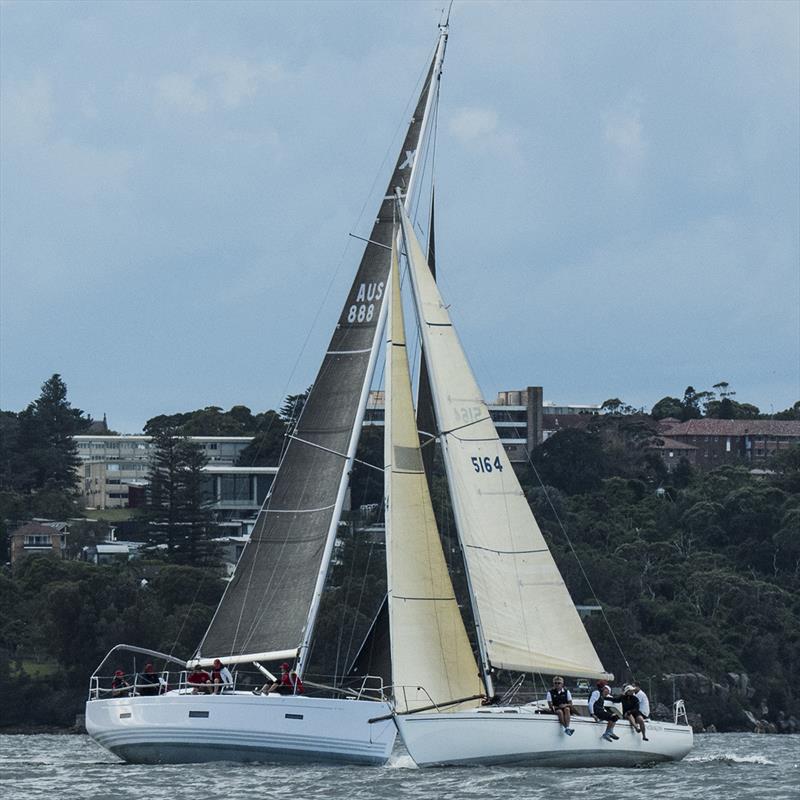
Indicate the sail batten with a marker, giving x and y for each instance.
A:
(525, 617)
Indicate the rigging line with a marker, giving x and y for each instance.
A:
(466, 425)
(430, 155)
(187, 614)
(334, 452)
(249, 582)
(370, 241)
(403, 124)
(372, 403)
(580, 564)
(340, 637)
(360, 599)
(255, 622)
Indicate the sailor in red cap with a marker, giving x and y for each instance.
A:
(220, 677)
(288, 683)
(119, 686)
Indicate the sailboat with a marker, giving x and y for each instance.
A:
(524, 617)
(269, 609)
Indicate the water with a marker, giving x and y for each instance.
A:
(726, 766)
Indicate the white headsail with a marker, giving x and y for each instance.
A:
(526, 618)
(429, 644)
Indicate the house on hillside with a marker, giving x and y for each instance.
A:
(39, 539)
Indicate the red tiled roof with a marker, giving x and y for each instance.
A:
(736, 427)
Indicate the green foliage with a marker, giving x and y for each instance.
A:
(71, 613)
(792, 413)
(667, 407)
(178, 500)
(38, 457)
(705, 579)
(268, 443)
(572, 460)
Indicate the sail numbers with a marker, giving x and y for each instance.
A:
(363, 310)
(486, 464)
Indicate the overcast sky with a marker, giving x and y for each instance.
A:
(617, 184)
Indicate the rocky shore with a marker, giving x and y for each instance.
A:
(728, 705)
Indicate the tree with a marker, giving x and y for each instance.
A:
(162, 506)
(40, 458)
(691, 403)
(267, 446)
(667, 407)
(615, 406)
(293, 406)
(177, 501)
(571, 460)
(197, 547)
(790, 413)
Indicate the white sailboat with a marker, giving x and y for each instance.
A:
(524, 617)
(269, 608)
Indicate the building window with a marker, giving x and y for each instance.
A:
(38, 540)
(235, 487)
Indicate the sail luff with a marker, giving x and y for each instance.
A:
(271, 602)
(525, 616)
(431, 655)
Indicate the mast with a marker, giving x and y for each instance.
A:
(426, 419)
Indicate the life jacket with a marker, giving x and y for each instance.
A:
(630, 703)
(559, 697)
(293, 681)
(600, 704)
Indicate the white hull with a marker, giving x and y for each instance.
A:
(179, 728)
(518, 736)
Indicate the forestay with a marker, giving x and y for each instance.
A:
(429, 644)
(268, 607)
(525, 615)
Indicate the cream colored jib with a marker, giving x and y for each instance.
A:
(527, 618)
(429, 644)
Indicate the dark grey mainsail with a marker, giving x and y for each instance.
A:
(269, 606)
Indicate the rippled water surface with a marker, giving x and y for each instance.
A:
(722, 766)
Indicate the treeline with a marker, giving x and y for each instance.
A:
(718, 403)
(58, 619)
